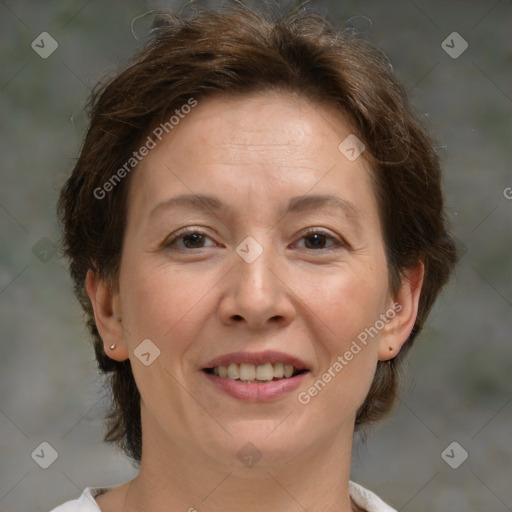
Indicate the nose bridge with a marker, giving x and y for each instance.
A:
(256, 294)
(254, 264)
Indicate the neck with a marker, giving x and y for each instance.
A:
(180, 477)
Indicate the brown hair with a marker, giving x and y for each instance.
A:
(238, 50)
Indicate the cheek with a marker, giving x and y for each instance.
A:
(345, 306)
(161, 301)
(167, 303)
(346, 301)
(166, 306)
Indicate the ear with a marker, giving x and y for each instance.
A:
(106, 307)
(402, 314)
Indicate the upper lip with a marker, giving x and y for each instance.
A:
(257, 358)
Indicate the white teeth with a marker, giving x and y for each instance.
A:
(234, 371)
(288, 370)
(247, 371)
(279, 370)
(264, 372)
(250, 372)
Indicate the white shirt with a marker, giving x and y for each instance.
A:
(364, 498)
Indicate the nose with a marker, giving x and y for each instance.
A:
(257, 293)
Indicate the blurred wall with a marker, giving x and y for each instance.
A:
(457, 384)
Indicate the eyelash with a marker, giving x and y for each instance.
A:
(188, 231)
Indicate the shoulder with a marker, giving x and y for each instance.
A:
(85, 503)
(367, 500)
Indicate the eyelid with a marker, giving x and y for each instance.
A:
(338, 241)
(171, 239)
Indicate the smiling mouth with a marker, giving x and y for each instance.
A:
(252, 373)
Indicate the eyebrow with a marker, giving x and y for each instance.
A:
(311, 202)
(197, 201)
(296, 204)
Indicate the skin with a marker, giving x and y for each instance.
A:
(254, 153)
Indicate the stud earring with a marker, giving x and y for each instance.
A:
(113, 346)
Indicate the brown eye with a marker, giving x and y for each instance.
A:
(191, 239)
(318, 240)
(315, 241)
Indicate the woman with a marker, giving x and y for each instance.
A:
(255, 230)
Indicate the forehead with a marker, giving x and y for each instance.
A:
(269, 144)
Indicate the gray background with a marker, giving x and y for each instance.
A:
(457, 383)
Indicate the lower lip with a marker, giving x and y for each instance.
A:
(256, 392)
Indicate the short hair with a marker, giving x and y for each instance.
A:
(239, 50)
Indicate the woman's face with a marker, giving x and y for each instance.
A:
(252, 238)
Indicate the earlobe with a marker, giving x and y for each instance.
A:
(105, 304)
(405, 308)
